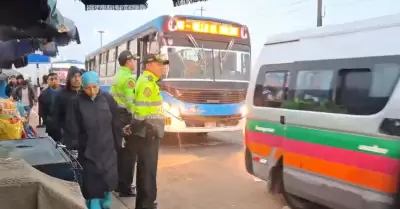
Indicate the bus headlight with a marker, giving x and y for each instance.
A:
(171, 109)
(243, 110)
(166, 106)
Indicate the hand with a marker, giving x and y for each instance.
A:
(127, 130)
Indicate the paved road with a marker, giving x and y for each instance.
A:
(205, 173)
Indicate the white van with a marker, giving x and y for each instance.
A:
(323, 123)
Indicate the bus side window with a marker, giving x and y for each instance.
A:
(271, 89)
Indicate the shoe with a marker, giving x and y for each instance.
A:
(131, 193)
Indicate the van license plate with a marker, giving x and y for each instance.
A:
(210, 124)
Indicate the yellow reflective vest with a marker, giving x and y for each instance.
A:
(123, 89)
(148, 103)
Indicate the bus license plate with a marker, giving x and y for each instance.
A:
(210, 124)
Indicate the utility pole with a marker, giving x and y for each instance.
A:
(101, 32)
(201, 10)
(319, 13)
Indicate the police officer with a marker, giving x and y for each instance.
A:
(148, 126)
(122, 90)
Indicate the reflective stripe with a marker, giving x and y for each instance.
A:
(139, 103)
(122, 97)
(117, 94)
(121, 105)
(149, 116)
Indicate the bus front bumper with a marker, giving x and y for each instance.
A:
(176, 125)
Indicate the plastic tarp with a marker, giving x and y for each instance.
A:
(24, 187)
(10, 50)
(23, 13)
(14, 52)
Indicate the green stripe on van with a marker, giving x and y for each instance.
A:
(361, 143)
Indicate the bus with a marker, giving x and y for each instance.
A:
(61, 68)
(323, 121)
(206, 81)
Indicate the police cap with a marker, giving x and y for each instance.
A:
(126, 55)
(155, 58)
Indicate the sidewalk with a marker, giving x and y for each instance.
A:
(117, 203)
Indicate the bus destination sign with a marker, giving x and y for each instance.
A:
(207, 27)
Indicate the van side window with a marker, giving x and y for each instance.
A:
(271, 89)
(366, 91)
(314, 85)
(313, 91)
(359, 91)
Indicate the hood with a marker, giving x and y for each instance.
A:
(71, 72)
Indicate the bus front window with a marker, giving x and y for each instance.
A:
(198, 63)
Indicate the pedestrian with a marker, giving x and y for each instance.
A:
(44, 83)
(122, 91)
(71, 89)
(92, 120)
(46, 100)
(25, 94)
(42, 87)
(12, 84)
(148, 126)
(20, 78)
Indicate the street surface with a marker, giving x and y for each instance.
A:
(205, 173)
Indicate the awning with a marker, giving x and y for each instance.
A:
(127, 4)
(62, 29)
(24, 13)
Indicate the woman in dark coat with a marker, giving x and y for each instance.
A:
(92, 119)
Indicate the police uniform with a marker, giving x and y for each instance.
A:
(150, 122)
(122, 90)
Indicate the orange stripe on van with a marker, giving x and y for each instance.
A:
(366, 178)
(259, 149)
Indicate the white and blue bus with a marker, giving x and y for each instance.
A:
(206, 82)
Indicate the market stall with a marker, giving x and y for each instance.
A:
(14, 122)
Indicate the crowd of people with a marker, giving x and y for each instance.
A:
(111, 132)
(21, 90)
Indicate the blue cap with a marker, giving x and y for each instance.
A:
(90, 77)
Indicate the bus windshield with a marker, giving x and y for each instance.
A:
(199, 63)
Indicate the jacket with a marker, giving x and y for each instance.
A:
(10, 89)
(95, 125)
(17, 95)
(45, 101)
(59, 107)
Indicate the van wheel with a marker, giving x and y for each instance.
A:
(295, 202)
(278, 186)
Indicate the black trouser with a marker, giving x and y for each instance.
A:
(126, 158)
(147, 160)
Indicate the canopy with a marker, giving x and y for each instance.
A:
(127, 4)
(24, 13)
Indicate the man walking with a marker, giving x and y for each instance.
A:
(46, 100)
(59, 108)
(26, 95)
(122, 91)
